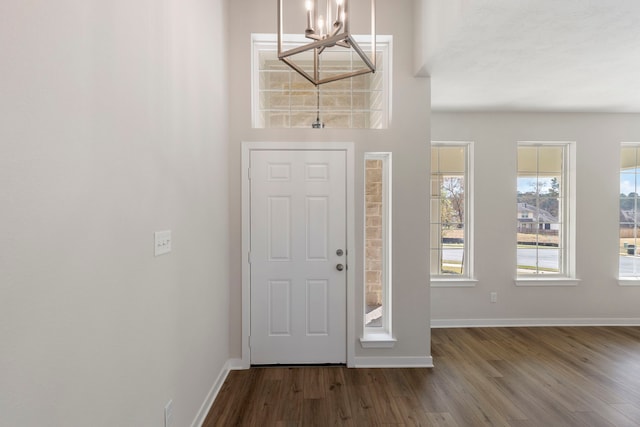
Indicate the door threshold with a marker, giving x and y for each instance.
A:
(301, 365)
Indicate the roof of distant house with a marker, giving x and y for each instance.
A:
(541, 214)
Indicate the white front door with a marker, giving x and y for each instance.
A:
(298, 275)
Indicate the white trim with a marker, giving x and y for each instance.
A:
(230, 365)
(385, 333)
(546, 281)
(532, 322)
(247, 147)
(466, 280)
(629, 281)
(394, 362)
(377, 340)
(626, 280)
(567, 220)
(351, 245)
(246, 248)
(453, 283)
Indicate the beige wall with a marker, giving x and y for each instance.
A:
(435, 22)
(114, 125)
(407, 138)
(598, 296)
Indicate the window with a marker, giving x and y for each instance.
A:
(451, 212)
(284, 99)
(545, 213)
(629, 266)
(377, 246)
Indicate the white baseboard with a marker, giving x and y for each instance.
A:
(488, 323)
(236, 365)
(393, 362)
(230, 365)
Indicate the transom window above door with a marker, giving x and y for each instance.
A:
(281, 98)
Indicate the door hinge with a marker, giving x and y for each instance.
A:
(249, 339)
(249, 257)
(249, 173)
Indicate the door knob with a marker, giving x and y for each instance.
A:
(339, 267)
(339, 252)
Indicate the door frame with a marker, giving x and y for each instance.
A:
(247, 148)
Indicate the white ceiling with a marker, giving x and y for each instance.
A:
(540, 55)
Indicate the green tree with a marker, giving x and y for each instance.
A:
(554, 191)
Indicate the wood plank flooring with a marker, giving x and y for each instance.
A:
(513, 377)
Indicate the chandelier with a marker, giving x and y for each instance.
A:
(327, 29)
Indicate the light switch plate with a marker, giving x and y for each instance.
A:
(162, 243)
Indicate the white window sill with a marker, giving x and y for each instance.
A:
(443, 282)
(547, 281)
(629, 281)
(377, 340)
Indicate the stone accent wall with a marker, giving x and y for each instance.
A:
(373, 232)
(287, 100)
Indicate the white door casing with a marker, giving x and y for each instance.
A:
(298, 297)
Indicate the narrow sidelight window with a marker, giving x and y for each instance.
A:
(377, 244)
(451, 255)
(629, 266)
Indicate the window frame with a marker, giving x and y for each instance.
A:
(380, 336)
(567, 275)
(626, 280)
(468, 278)
(268, 42)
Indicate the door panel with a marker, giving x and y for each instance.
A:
(298, 221)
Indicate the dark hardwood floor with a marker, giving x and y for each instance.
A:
(517, 377)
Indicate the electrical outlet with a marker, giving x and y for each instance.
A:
(168, 414)
(494, 297)
(162, 242)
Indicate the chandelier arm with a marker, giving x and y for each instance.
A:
(373, 33)
(344, 76)
(329, 41)
(300, 71)
(336, 28)
(363, 56)
(316, 66)
(280, 27)
(345, 5)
